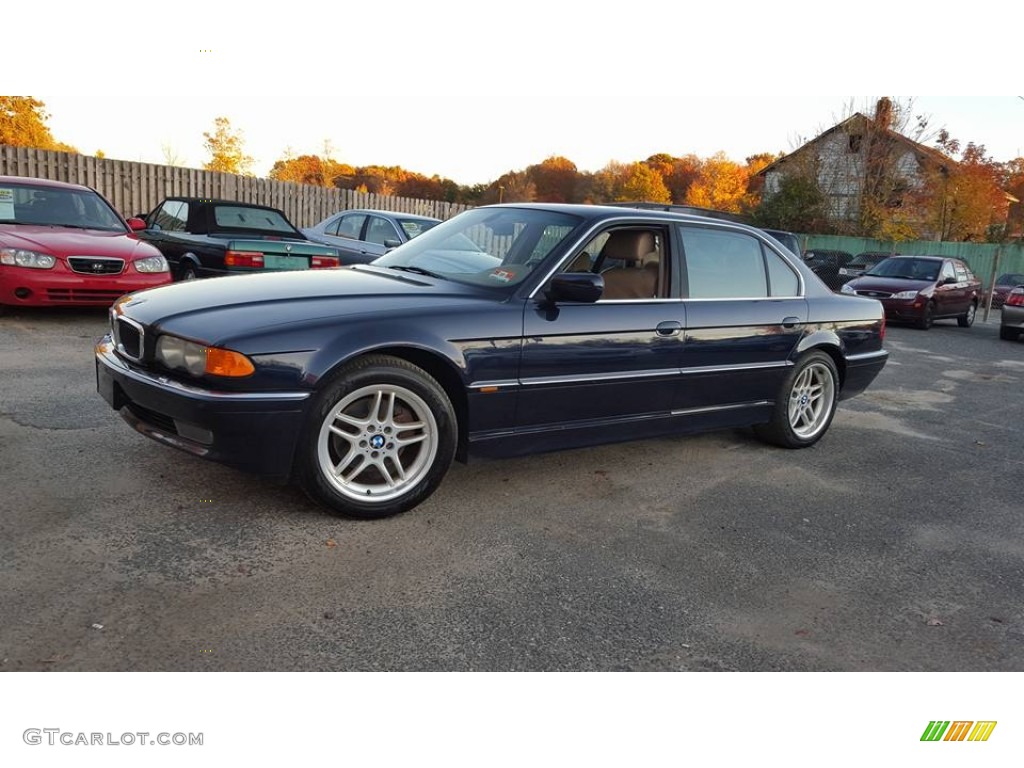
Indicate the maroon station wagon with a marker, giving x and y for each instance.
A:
(921, 289)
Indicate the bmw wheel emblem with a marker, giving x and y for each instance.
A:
(377, 442)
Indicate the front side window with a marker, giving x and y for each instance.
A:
(723, 265)
(491, 247)
(380, 231)
(172, 216)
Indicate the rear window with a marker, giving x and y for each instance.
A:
(1011, 278)
(258, 219)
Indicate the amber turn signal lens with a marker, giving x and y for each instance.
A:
(224, 362)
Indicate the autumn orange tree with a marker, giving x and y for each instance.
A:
(23, 124)
(227, 149)
(969, 199)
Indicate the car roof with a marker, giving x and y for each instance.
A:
(596, 213)
(218, 201)
(394, 214)
(42, 182)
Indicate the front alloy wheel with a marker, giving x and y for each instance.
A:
(379, 439)
(376, 443)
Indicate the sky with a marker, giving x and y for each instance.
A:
(470, 90)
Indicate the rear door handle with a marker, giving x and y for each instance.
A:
(669, 327)
(790, 322)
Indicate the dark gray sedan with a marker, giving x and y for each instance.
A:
(363, 235)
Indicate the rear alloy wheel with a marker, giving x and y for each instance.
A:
(927, 316)
(188, 272)
(966, 320)
(380, 438)
(805, 405)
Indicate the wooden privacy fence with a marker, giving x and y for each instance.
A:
(135, 187)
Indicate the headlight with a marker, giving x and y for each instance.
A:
(846, 288)
(17, 258)
(152, 264)
(844, 271)
(904, 295)
(177, 353)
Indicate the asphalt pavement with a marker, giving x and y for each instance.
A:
(895, 543)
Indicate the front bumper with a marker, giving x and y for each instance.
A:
(906, 310)
(62, 287)
(253, 431)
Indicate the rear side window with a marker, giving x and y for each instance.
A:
(782, 280)
(723, 265)
(733, 265)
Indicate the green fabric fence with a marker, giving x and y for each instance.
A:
(979, 256)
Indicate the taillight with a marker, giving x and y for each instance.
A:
(1016, 298)
(881, 331)
(323, 262)
(249, 259)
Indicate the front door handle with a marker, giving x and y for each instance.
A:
(669, 327)
(790, 322)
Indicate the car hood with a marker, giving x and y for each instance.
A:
(221, 308)
(63, 242)
(889, 284)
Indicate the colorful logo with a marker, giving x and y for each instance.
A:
(958, 730)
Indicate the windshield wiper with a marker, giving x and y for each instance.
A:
(418, 271)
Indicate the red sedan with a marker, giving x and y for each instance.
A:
(64, 244)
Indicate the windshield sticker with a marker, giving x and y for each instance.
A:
(6, 203)
(503, 275)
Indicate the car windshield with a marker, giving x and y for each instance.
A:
(907, 268)
(257, 219)
(57, 207)
(1010, 279)
(495, 247)
(415, 227)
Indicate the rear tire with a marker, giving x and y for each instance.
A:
(805, 405)
(188, 272)
(1008, 334)
(378, 440)
(966, 320)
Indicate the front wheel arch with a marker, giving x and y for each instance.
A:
(440, 368)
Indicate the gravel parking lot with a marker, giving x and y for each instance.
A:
(896, 543)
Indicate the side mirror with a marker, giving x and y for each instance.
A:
(136, 224)
(390, 243)
(582, 287)
(950, 280)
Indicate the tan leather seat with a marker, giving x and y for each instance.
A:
(638, 278)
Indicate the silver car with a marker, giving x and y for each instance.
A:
(1012, 324)
(363, 235)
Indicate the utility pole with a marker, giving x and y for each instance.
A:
(992, 282)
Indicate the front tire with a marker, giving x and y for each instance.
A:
(927, 316)
(966, 320)
(805, 405)
(379, 439)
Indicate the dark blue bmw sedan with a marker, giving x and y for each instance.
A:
(507, 330)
